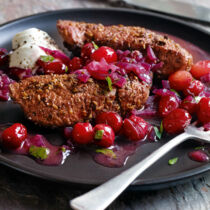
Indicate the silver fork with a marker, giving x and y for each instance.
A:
(100, 197)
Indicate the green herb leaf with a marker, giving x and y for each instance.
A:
(109, 81)
(95, 45)
(175, 92)
(161, 127)
(66, 69)
(63, 149)
(99, 134)
(200, 148)
(186, 102)
(197, 99)
(107, 152)
(157, 132)
(173, 161)
(39, 152)
(47, 58)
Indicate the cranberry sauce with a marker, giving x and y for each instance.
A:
(39, 148)
(117, 155)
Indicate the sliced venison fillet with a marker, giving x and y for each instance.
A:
(174, 57)
(62, 100)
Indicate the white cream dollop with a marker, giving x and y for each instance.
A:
(26, 46)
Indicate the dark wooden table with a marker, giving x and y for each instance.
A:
(20, 191)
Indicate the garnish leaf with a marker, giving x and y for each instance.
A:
(107, 152)
(95, 45)
(197, 99)
(186, 102)
(173, 161)
(175, 92)
(39, 152)
(109, 81)
(161, 127)
(200, 148)
(99, 134)
(66, 69)
(47, 58)
(63, 149)
(159, 132)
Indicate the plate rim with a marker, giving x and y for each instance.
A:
(149, 184)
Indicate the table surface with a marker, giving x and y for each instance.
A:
(20, 191)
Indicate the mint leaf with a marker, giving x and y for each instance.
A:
(47, 58)
(186, 102)
(107, 152)
(99, 134)
(95, 45)
(175, 92)
(197, 99)
(159, 132)
(63, 149)
(109, 81)
(200, 148)
(39, 152)
(161, 127)
(173, 161)
(66, 69)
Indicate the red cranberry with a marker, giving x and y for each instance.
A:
(176, 121)
(203, 112)
(112, 119)
(194, 89)
(75, 63)
(200, 69)
(82, 133)
(53, 67)
(3, 56)
(189, 104)
(180, 80)
(167, 104)
(135, 128)
(87, 50)
(104, 135)
(105, 52)
(199, 156)
(13, 136)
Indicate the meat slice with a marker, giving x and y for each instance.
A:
(76, 34)
(62, 100)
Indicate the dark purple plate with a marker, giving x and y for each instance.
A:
(80, 168)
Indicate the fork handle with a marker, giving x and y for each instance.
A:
(100, 197)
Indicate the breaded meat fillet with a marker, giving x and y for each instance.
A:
(62, 100)
(174, 57)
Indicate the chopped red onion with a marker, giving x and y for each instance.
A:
(146, 113)
(165, 84)
(157, 66)
(166, 92)
(117, 79)
(205, 79)
(18, 73)
(57, 54)
(151, 134)
(5, 81)
(151, 54)
(82, 75)
(100, 70)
